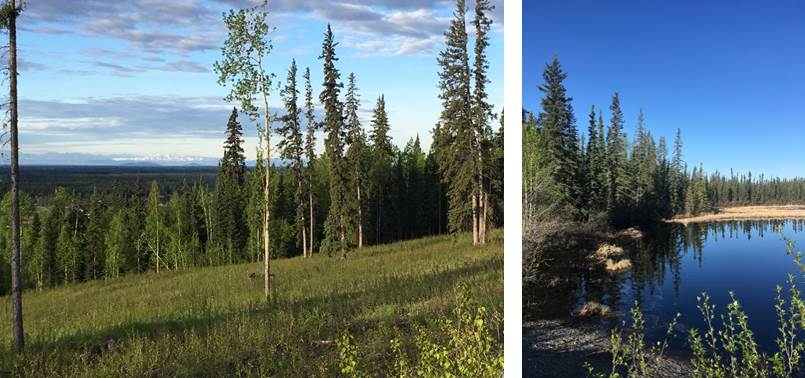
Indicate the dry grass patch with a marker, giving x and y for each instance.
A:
(614, 267)
(595, 309)
(607, 251)
(632, 233)
(746, 213)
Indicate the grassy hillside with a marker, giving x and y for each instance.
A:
(213, 321)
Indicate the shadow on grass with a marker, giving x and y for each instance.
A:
(342, 307)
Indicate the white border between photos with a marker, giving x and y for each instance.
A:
(513, 183)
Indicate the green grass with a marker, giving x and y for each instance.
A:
(213, 321)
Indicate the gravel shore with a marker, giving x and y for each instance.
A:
(554, 348)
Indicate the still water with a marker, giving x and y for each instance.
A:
(674, 264)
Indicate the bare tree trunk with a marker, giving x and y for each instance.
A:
(481, 192)
(474, 219)
(342, 231)
(266, 189)
(16, 273)
(379, 214)
(360, 219)
(481, 212)
(310, 197)
(158, 240)
(304, 240)
(484, 217)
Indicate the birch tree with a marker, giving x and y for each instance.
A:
(243, 68)
(153, 223)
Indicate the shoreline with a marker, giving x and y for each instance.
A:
(758, 212)
(559, 348)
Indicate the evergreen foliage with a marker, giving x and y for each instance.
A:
(335, 226)
(358, 182)
(461, 136)
(231, 233)
(292, 150)
(356, 159)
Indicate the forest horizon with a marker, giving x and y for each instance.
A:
(357, 217)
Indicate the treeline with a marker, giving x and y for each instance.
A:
(41, 180)
(601, 175)
(743, 189)
(362, 189)
(129, 230)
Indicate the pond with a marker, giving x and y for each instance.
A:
(673, 264)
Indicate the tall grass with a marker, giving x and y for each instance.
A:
(213, 321)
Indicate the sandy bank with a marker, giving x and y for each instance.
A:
(746, 213)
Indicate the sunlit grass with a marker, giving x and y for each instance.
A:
(213, 321)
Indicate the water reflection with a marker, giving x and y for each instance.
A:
(671, 265)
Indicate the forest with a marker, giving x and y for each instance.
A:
(367, 257)
(361, 190)
(603, 176)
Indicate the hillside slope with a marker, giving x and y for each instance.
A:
(213, 321)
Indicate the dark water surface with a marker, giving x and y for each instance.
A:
(674, 264)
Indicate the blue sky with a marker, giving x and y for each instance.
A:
(133, 80)
(730, 74)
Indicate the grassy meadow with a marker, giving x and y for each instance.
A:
(213, 321)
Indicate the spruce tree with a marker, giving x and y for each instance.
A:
(560, 137)
(94, 236)
(310, 153)
(594, 167)
(677, 181)
(230, 196)
(292, 149)
(381, 164)
(481, 114)
(455, 134)
(355, 157)
(335, 227)
(616, 160)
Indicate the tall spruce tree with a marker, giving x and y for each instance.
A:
(594, 166)
(291, 149)
(455, 134)
(560, 137)
(356, 138)
(481, 114)
(677, 181)
(310, 154)
(379, 171)
(616, 160)
(230, 194)
(335, 227)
